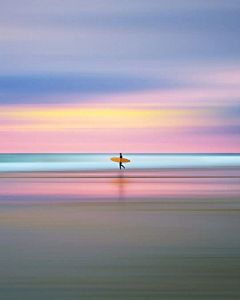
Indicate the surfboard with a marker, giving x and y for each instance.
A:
(118, 160)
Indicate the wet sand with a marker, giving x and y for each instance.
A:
(120, 238)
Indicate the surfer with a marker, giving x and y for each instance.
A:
(120, 160)
(120, 164)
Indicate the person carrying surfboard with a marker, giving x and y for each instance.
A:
(120, 160)
(120, 164)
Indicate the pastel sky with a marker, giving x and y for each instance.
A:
(119, 76)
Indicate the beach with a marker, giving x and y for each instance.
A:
(166, 234)
(119, 150)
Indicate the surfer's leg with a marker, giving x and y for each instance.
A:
(120, 166)
(123, 166)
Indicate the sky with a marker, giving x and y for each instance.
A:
(119, 76)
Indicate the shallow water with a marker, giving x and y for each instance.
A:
(140, 234)
(102, 162)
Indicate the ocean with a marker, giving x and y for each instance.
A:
(101, 162)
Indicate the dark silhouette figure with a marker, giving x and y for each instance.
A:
(120, 164)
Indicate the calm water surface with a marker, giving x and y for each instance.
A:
(145, 233)
(102, 162)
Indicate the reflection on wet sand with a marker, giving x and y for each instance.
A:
(120, 238)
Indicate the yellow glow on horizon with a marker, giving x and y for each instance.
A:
(87, 118)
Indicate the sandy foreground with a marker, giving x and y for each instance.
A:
(120, 237)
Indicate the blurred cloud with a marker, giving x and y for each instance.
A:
(110, 6)
(215, 130)
(228, 77)
(22, 89)
(165, 72)
(73, 32)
